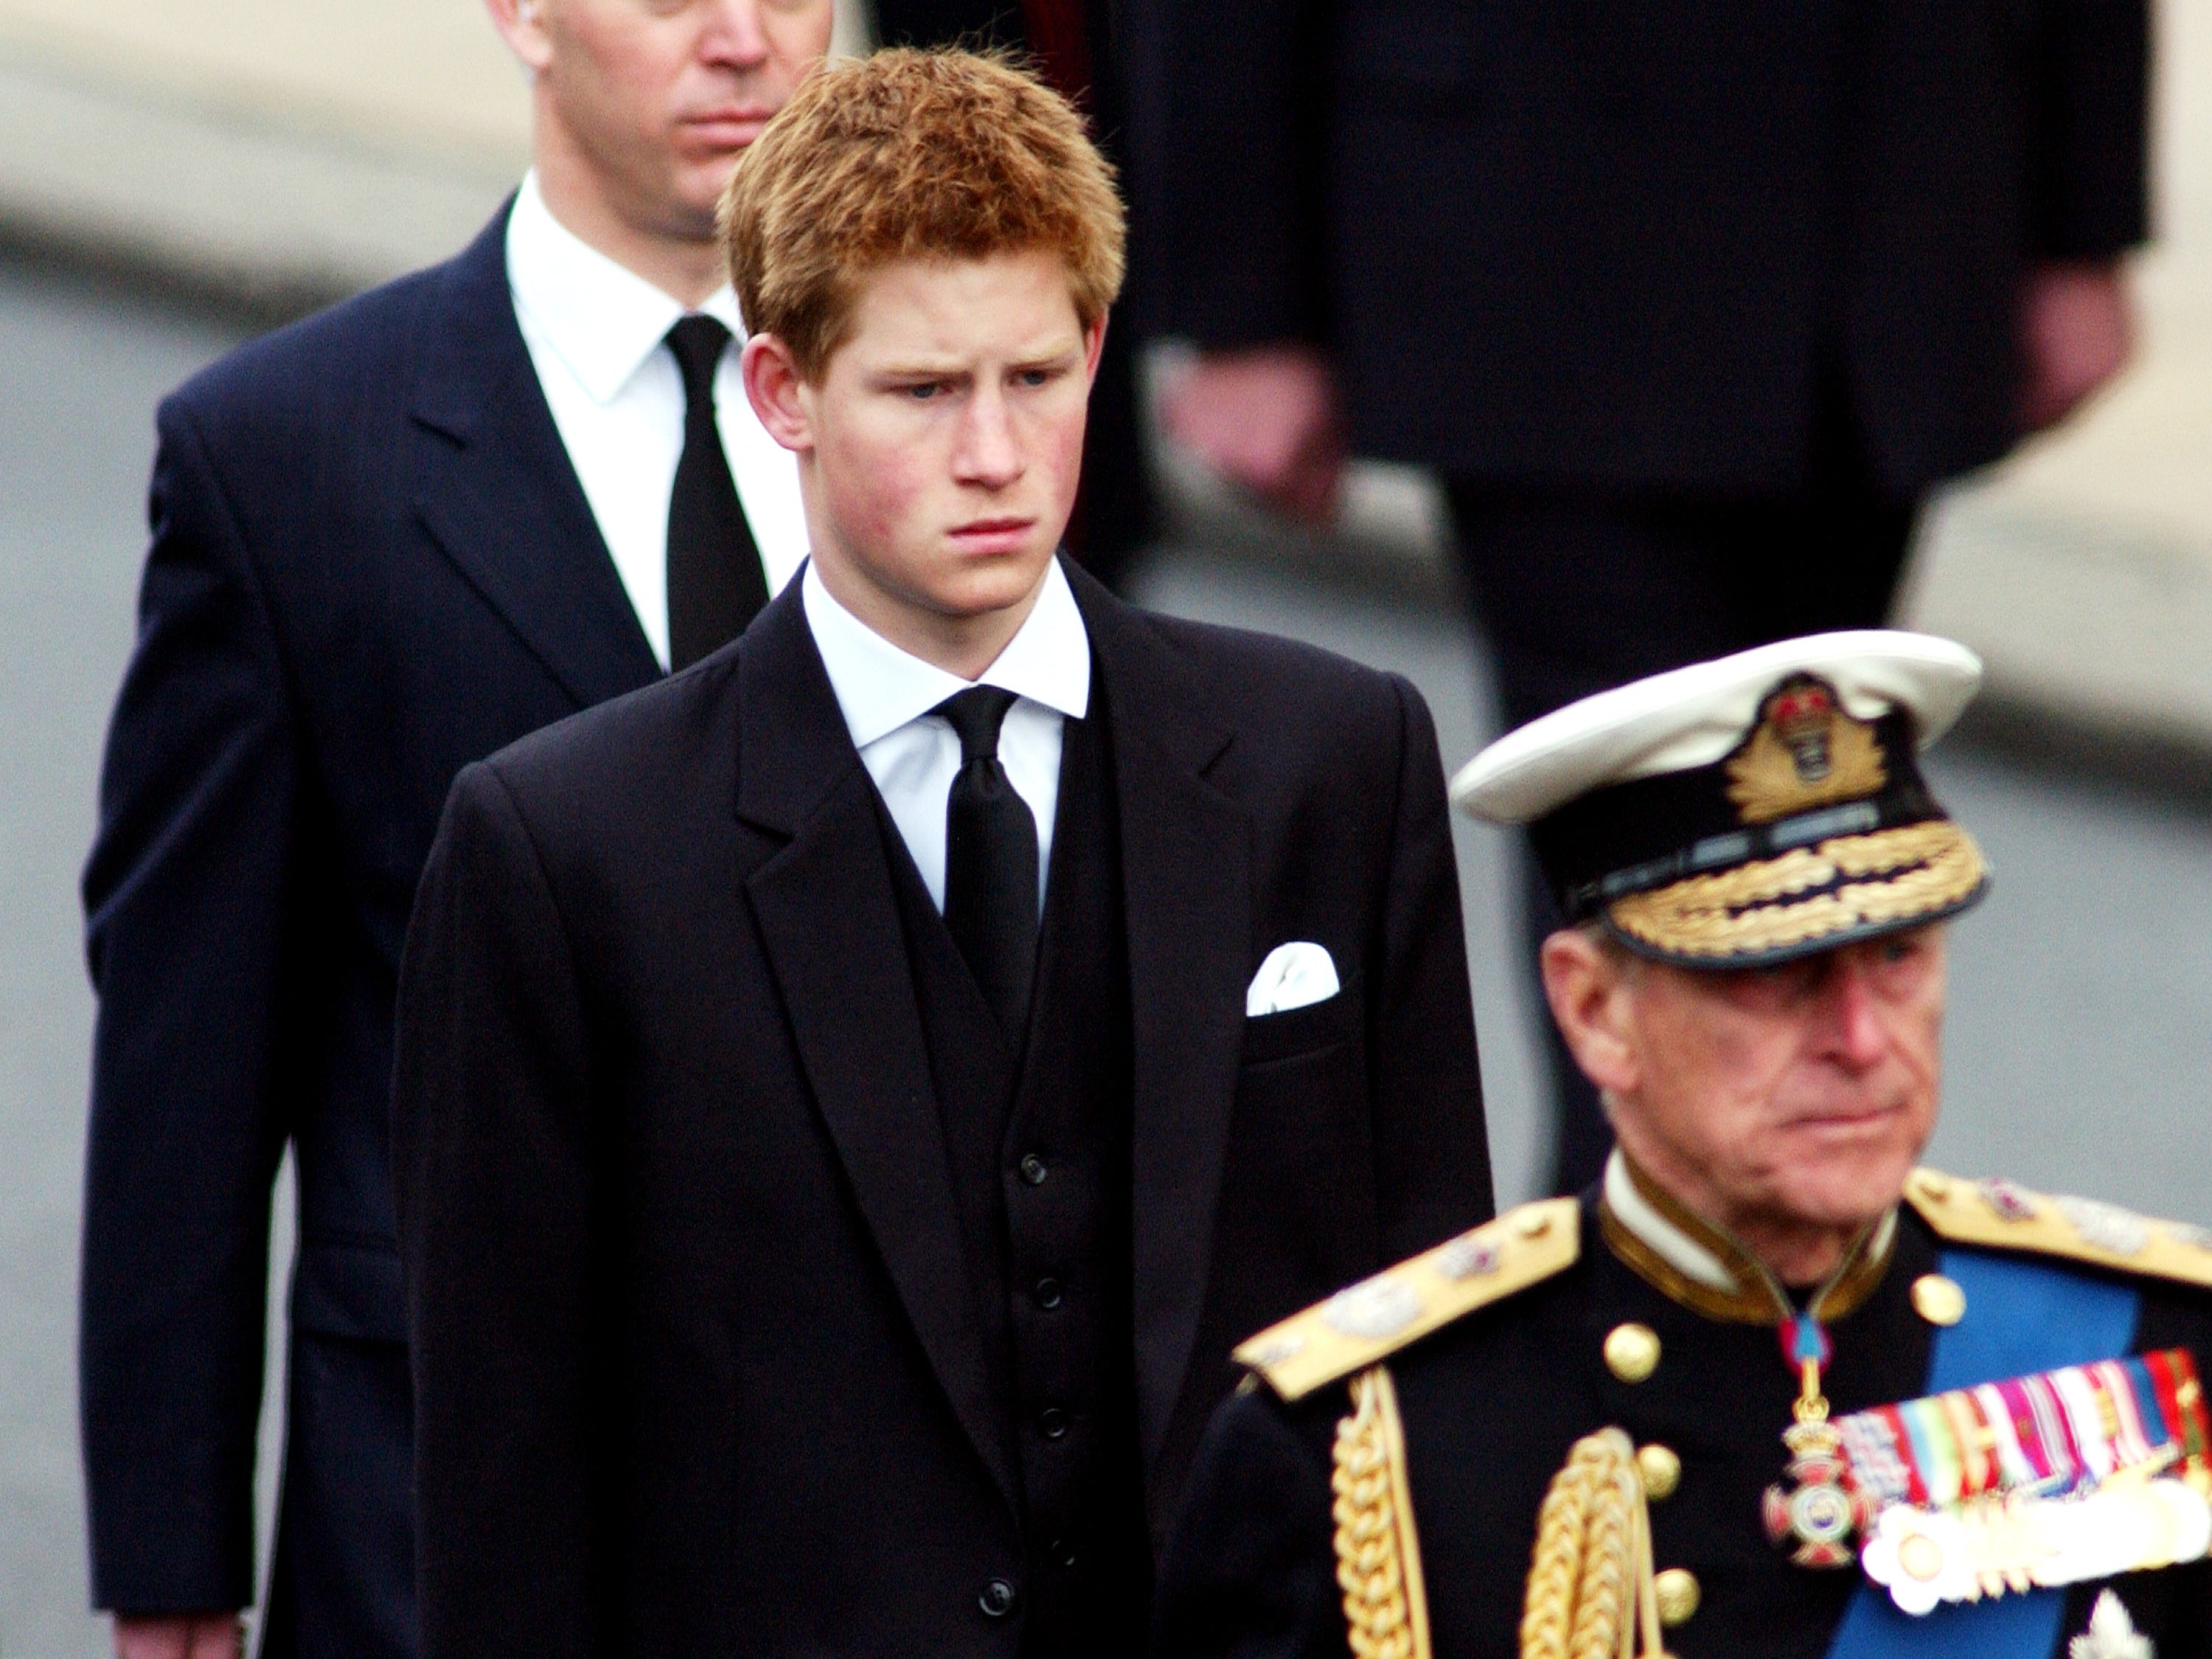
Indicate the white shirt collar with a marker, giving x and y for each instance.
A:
(1675, 1246)
(601, 318)
(881, 688)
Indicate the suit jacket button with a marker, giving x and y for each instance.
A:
(998, 1598)
(1032, 1168)
(1052, 1421)
(1049, 1293)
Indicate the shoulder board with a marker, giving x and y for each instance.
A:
(1998, 1215)
(1377, 1316)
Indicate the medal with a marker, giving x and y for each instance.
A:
(2082, 1473)
(1817, 1508)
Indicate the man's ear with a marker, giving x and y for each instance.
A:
(521, 24)
(777, 391)
(1094, 345)
(1587, 984)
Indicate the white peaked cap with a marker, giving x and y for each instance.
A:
(1694, 716)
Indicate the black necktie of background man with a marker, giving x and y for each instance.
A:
(715, 585)
(990, 861)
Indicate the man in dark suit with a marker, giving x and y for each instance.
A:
(1076, 47)
(850, 1097)
(387, 542)
(1690, 304)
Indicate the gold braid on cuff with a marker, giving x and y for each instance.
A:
(1378, 1557)
(1807, 894)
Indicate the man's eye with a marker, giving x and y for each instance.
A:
(1036, 376)
(925, 392)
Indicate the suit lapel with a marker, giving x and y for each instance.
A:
(828, 921)
(1186, 870)
(496, 491)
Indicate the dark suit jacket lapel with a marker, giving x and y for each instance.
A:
(495, 490)
(828, 921)
(1187, 874)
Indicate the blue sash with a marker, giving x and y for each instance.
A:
(2022, 1316)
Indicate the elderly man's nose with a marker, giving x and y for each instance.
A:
(1853, 1023)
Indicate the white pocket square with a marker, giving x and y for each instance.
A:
(1294, 975)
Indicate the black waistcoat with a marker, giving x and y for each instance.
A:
(1039, 1146)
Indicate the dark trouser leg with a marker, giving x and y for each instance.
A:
(342, 1583)
(1579, 593)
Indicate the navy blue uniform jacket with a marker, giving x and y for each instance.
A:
(372, 563)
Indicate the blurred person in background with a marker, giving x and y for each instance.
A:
(1076, 48)
(387, 542)
(1690, 305)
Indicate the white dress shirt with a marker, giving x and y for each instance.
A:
(886, 696)
(595, 331)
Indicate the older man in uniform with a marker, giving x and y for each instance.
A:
(1767, 1388)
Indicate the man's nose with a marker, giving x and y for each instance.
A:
(731, 35)
(989, 453)
(1857, 1033)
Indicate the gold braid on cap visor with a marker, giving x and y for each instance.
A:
(1808, 894)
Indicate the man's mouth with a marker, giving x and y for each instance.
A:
(729, 123)
(992, 535)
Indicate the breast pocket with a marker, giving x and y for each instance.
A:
(1299, 1033)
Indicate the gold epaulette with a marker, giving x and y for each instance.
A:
(1377, 1316)
(2001, 1216)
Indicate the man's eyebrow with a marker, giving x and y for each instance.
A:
(919, 369)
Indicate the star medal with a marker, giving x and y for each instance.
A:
(1817, 1509)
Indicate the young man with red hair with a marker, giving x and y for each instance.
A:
(851, 1096)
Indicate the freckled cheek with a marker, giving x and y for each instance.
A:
(877, 486)
(1061, 445)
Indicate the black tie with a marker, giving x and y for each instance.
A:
(715, 582)
(990, 861)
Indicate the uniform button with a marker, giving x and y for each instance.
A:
(1052, 1421)
(1677, 1593)
(1632, 1352)
(1661, 1471)
(1049, 1293)
(1032, 1168)
(998, 1598)
(1061, 1552)
(1938, 1300)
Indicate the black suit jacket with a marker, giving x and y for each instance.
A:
(696, 1365)
(1590, 242)
(371, 564)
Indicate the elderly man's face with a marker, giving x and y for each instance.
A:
(1768, 1100)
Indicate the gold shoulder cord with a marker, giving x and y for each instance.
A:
(1378, 1557)
(1590, 1589)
